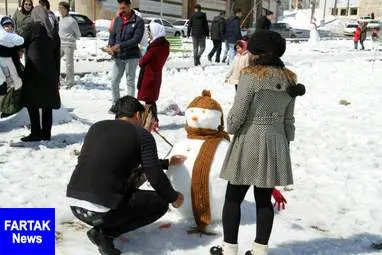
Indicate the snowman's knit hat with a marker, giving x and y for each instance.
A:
(206, 102)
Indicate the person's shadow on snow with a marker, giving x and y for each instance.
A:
(356, 244)
(57, 142)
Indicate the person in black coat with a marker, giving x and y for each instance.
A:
(232, 35)
(217, 36)
(116, 158)
(41, 76)
(265, 22)
(199, 30)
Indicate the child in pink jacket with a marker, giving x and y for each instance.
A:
(240, 62)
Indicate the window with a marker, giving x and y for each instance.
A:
(335, 11)
(354, 11)
(180, 23)
(344, 12)
(80, 19)
(166, 24)
(157, 21)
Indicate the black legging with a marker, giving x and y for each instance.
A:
(231, 213)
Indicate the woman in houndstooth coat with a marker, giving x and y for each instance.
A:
(262, 122)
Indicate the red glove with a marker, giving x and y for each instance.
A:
(280, 200)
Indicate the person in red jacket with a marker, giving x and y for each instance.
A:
(357, 37)
(151, 64)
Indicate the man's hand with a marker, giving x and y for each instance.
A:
(116, 48)
(179, 201)
(177, 160)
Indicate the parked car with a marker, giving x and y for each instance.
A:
(284, 30)
(182, 25)
(349, 29)
(86, 25)
(374, 24)
(170, 29)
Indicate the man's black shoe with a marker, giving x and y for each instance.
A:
(104, 242)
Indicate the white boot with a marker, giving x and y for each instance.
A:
(259, 249)
(230, 249)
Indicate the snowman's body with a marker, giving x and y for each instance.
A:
(181, 176)
(314, 37)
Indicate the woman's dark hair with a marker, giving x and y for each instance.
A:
(65, 5)
(127, 106)
(127, 2)
(45, 3)
(22, 6)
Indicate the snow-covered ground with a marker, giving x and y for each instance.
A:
(334, 207)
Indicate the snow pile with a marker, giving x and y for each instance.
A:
(21, 119)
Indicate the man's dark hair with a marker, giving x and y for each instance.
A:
(268, 13)
(237, 10)
(44, 3)
(198, 7)
(65, 5)
(127, 106)
(127, 2)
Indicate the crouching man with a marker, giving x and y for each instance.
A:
(103, 189)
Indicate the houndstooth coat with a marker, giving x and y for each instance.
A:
(262, 122)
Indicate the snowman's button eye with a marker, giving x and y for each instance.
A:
(204, 111)
(191, 110)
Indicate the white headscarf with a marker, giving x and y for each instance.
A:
(157, 30)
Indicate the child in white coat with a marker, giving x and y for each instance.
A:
(240, 62)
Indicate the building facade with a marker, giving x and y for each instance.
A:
(366, 7)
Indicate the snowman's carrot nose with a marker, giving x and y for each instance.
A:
(194, 118)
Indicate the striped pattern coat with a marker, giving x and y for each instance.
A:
(262, 122)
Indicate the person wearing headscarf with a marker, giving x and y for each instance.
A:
(41, 75)
(262, 122)
(22, 16)
(151, 64)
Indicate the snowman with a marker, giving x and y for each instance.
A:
(198, 178)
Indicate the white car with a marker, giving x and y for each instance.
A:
(374, 24)
(170, 29)
(182, 25)
(349, 29)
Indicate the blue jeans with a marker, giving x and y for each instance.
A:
(231, 52)
(119, 67)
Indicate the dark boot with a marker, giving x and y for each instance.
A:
(209, 58)
(104, 242)
(32, 138)
(216, 250)
(224, 59)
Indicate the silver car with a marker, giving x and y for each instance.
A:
(182, 25)
(170, 29)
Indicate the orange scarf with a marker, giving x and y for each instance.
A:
(200, 173)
